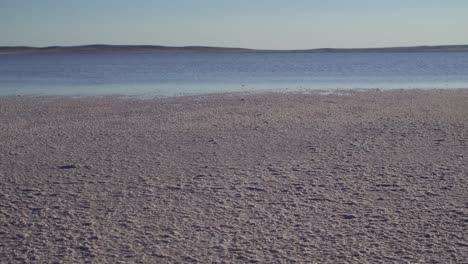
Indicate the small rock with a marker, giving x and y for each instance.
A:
(349, 216)
(67, 167)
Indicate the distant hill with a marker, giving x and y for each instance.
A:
(122, 49)
(94, 49)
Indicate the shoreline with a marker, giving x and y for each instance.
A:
(370, 177)
(286, 91)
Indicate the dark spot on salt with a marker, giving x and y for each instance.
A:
(461, 244)
(349, 216)
(67, 167)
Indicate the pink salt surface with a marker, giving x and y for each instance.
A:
(364, 177)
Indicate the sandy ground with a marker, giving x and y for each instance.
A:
(366, 177)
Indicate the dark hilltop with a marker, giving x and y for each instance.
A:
(130, 49)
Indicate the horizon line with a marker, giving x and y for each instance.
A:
(117, 48)
(227, 47)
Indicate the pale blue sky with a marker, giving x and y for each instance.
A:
(271, 24)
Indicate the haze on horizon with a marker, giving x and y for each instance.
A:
(261, 24)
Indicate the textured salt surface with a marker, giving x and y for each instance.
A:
(373, 177)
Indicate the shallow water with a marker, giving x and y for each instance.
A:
(185, 74)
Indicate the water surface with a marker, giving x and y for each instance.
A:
(185, 74)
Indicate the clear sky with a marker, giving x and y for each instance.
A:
(271, 24)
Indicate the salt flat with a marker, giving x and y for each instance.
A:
(361, 177)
